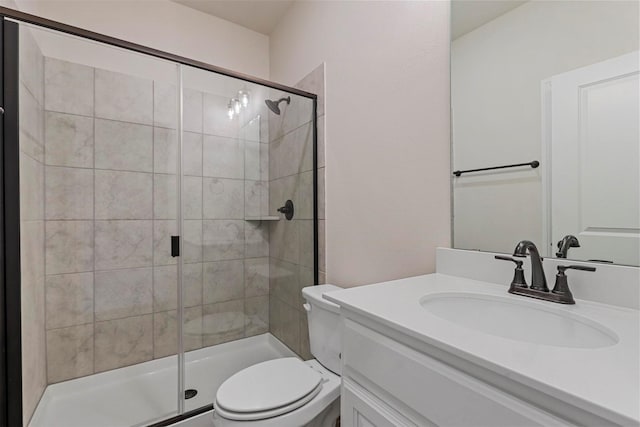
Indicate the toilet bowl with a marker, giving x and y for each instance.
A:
(289, 392)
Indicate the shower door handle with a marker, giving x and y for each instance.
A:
(175, 246)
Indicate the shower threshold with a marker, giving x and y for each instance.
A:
(147, 392)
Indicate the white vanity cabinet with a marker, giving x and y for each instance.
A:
(387, 383)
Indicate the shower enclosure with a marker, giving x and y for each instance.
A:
(146, 254)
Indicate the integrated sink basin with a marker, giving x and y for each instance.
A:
(519, 320)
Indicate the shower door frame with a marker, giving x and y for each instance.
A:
(10, 281)
(10, 272)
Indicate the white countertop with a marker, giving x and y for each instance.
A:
(605, 381)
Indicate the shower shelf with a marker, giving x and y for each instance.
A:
(263, 218)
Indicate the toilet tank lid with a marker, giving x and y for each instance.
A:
(313, 295)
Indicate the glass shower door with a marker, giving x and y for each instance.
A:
(98, 184)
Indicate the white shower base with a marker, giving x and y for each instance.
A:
(147, 392)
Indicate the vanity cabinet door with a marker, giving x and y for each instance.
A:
(427, 390)
(361, 409)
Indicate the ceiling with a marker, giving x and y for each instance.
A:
(467, 15)
(258, 15)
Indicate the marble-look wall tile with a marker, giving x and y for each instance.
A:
(252, 161)
(291, 154)
(256, 239)
(123, 195)
(321, 194)
(165, 204)
(223, 157)
(192, 283)
(31, 123)
(69, 246)
(192, 111)
(68, 193)
(292, 116)
(223, 198)
(32, 240)
(31, 189)
(123, 146)
(68, 87)
(166, 332)
(192, 153)
(162, 232)
(222, 322)
(304, 195)
(321, 143)
(223, 239)
(284, 323)
(256, 277)
(68, 140)
(256, 311)
(322, 260)
(123, 342)
(223, 281)
(165, 105)
(32, 235)
(69, 352)
(284, 282)
(255, 198)
(216, 121)
(123, 293)
(192, 241)
(123, 97)
(31, 147)
(31, 63)
(314, 83)
(284, 240)
(123, 244)
(165, 150)
(264, 162)
(165, 286)
(281, 190)
(34, 376)
(305, 243)
(69, 299)
(305, 345)
(192, 197)
(305, 278)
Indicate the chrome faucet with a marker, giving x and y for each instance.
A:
(538, 280)
(568, 241)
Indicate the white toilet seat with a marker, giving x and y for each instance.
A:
(254, 416)
(268, 389)
(293, 414)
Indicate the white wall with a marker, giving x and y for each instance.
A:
(163, 25)
(497, 71)
(387, 129)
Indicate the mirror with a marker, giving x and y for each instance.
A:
(545, 93)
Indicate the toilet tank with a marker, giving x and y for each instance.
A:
(325, 331)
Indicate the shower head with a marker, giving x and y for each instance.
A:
(275, 105)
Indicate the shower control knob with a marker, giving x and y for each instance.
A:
(287, 210)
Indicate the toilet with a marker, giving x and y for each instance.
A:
(289, 392)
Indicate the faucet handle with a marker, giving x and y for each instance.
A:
(518, 280)
(508, 258)
(561, 288)
(562, 268)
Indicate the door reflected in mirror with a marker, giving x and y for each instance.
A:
(554, 82)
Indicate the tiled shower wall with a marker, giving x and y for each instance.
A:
(110, 185)
(31, 95)
(291, 242)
